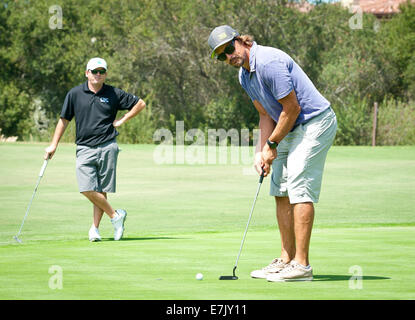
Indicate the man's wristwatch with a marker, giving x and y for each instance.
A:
(272, 144)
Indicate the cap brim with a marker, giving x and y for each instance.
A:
(220, 44)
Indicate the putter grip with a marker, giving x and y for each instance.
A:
(42, 170)
(261, 178)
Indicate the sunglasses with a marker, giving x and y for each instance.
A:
(98, 71)
(229, 49)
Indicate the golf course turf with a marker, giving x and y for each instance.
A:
(185, 219)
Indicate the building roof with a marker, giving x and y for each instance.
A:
(376, 7)
(302, 6)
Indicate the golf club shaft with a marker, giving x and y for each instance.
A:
(249, 220)
(42, 171)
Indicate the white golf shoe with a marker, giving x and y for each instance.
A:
(118, 223)
(276, 265)
(292, 272)
(94, 234)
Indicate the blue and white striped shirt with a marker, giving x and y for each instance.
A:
(273, 75)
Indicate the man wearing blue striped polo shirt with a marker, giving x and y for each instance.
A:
(297, 127)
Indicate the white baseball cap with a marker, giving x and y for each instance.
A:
(96, 63)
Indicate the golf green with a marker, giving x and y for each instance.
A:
(185, 219)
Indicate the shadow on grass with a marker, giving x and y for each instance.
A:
(335, 277)
(143, 238)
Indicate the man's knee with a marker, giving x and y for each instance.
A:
(89, 194)
(304, 212)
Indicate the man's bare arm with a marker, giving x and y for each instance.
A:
(60, 129)
(266, 127)
(289, 114)
(290, 111)
(140, 105)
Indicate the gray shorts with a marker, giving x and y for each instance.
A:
(96, 167)
(297, 171)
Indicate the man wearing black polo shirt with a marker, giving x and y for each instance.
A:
(94, 106)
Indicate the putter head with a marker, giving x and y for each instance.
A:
(228, 278)
(234, 277)
(17, 239)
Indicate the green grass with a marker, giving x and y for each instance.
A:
(185, 219)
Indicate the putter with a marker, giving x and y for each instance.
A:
(233, 276)
(42, 171)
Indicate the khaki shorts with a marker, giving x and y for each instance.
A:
(298, 169)
(96, 167)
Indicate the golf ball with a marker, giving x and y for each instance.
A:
(199, 276)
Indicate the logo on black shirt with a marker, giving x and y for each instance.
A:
(104, 100)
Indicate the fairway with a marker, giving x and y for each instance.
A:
(184, 219)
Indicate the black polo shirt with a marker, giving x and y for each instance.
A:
(95, 112)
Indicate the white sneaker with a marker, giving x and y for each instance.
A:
(292, 272)
(94, 234)
(275, 266)
(118, 223)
